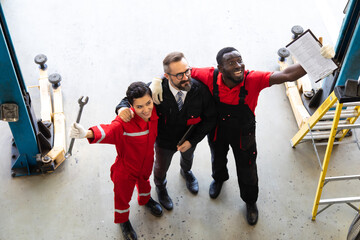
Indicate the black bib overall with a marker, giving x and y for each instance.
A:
(236, 128)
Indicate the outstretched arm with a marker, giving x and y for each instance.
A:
(292, 73)
(101, 133)
(296, 71)
(78, 131)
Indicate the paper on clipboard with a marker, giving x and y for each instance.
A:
(306, 50)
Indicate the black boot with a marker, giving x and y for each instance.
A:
(251, 213)
(128, 231)
(215, 188)
(191, 181)
(154, 207)
(164, 198)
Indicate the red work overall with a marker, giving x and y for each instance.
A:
(134, 142)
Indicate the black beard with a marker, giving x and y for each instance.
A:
(186, 88)
(228, 76)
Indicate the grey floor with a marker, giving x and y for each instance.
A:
(99, 47)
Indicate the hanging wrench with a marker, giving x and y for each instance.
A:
(81, 104)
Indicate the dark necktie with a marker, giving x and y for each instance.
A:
(179, 100)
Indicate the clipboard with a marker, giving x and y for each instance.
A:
(186, 135)
(306, 50)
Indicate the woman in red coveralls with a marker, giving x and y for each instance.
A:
(134, 142)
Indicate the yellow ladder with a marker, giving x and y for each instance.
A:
(318, 126)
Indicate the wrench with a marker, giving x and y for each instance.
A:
(81, 104)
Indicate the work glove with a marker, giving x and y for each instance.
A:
(157, 91)
(327, 51)
(77, 131)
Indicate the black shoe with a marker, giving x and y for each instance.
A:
(191, 181)
(154, 207)
(252, 213)
(164, 198)
(215, 189)
(128, 231)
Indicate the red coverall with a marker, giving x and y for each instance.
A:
(134, 142)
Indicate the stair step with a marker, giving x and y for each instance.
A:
(339, 178)
(321, 135)
(337, 143)
(349, 104)
(339, 200)
(348, 126)
(323, 125)
(347, 113)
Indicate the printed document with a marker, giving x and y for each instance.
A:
(306, 50)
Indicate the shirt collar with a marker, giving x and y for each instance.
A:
(140, 122)
(175, 91)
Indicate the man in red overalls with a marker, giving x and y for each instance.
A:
(134, 142)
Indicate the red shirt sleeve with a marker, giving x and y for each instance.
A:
(256, 82)
(263, 79)
(204, 75)
(107, 133)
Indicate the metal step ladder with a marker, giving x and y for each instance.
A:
(332, 125)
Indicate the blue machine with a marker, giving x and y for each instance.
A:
(31, 137)
(347, 50)
(347, 56)
(348, 45)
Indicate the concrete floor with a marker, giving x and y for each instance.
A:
(99, 47)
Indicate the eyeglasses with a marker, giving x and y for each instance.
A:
(180, 76)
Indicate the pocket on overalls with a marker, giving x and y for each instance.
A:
(248, 171)
(247, 138)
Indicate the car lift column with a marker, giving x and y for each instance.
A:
(16, 106)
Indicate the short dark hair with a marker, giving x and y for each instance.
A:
(137, 90)
(219, 56)
(170, 58)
